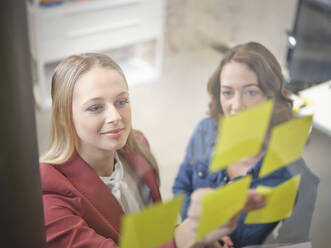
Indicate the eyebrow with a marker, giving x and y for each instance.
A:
(123, 93)
(101, 98)
(93, 99)
(245, 86)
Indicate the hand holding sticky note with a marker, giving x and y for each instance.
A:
(241, 135)
(286, 144)
(221, 205)
(279, 202)
(152, 226)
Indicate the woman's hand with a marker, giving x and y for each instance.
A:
(227, 241)
(186, 232)
(254, 201)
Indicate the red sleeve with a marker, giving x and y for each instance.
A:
(65, 228)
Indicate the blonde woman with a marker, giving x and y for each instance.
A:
(97, 168)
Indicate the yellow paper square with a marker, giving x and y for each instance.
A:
(279, 202)
(286, 144)
(152, 226)
(264, 190)
(241, 135)
(222, 204)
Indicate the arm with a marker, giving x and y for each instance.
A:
(252, 234)
(195, 151)
(186, 231)
(183, 185)
(65, 228)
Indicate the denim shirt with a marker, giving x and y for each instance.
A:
(193, 174)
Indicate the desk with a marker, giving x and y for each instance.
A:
(299, 245)
(320, 96)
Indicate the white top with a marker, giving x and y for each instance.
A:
(123, 184)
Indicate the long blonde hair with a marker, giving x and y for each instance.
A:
(63, 137)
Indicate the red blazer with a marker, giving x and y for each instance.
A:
(80, 210)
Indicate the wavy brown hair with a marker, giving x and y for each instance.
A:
(269, 74)
(63, 137)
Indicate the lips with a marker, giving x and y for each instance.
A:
(114, 133)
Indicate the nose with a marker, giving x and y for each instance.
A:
(112, 114)
(237, 103)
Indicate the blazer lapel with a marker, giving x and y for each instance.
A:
(144, 171)
(91, 186)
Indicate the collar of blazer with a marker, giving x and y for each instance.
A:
(87, 182)
(144, 171)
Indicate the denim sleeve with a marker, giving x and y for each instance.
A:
(253, 234)
(183, 183)
(250, 234)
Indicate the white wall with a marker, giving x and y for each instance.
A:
(191, 24)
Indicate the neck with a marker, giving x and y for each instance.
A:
(101, 162)
(240, 168)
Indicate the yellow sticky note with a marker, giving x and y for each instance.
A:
(152, 226)
(264, 190)
(222, 204)
(241, 135)
(286, 144)
(279, 202)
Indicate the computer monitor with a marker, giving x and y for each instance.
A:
(309, 44)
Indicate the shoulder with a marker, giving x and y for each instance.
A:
(205, 130)
(48, 172)
(202, 141)
(206, 124)
(53, 181)
(141, 138)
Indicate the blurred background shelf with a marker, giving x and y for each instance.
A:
(124, 29)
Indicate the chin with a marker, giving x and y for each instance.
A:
(114, 144)
(112, 147)
(120, 144)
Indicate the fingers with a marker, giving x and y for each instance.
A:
(222, 231)
(215, 245)
(195, 208)
(198, 194)
(227, 241)
(254, 201)
(231, 224)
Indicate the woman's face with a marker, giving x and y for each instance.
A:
(101, 110)
(239, 88)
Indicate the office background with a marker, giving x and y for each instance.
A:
(166, 109)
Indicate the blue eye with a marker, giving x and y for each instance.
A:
(94, 108)
(123, 102)
(252, 93)
(227, 93)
